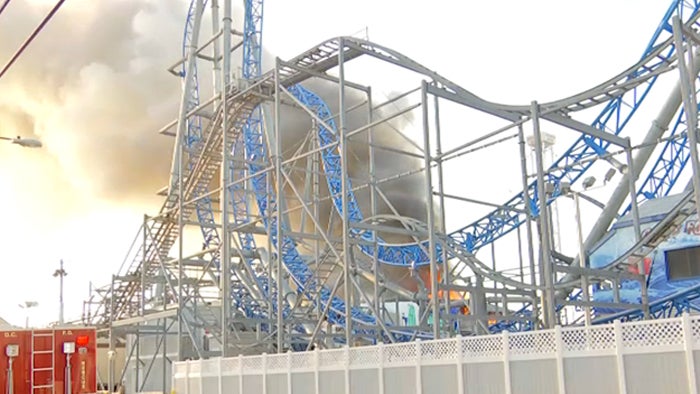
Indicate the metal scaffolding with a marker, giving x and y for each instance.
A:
(296, 240)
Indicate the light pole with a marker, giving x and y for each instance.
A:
(26, 306)
(61, 273)
(576, 196)
(23, 142)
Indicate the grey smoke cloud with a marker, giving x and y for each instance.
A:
(94, 89)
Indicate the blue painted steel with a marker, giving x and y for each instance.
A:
(255, 152)
(242, 299)
(252, 54)
(301, 274)
(659, 182)
(613, 119)
(669, 165)
(252, 39)
(672, 306)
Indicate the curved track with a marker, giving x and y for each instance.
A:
(621, 96)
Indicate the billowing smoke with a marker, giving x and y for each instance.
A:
(406, 194)
(92, 87)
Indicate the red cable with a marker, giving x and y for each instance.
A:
(31, 37)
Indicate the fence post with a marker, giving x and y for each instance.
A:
(347, 368)
(559, 351)
(419, 368)
(289, 371)
(317, 377)
(264, 373)
(620, 358)
(221, 375)
(187, 377)
(174, 369)
(460, 372)
(201, 376)
(380, 377)
(506, 361)
(689, 357)
(240, 374)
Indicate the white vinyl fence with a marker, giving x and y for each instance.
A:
(656, 356)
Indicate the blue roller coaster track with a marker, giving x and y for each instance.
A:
(570, 167)
(242, 299)
(572, 164)
(252, 143)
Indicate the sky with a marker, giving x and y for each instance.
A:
(94, 89)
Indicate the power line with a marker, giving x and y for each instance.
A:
(2, 8)
(31, 37)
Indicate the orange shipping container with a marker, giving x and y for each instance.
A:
(40, 362)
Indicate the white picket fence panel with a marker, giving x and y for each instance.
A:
(655, 356)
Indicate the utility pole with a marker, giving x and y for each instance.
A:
(60, 273)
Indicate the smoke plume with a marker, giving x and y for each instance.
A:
(92, 87)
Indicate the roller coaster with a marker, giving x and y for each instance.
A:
(286, 261)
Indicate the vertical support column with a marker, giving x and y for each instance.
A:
(373, 212)
(111, 351)
(180, 243)
(165, 353)
(279, 191)
(316, 192)
(633, 193)
(344, 198)
(142, 302)
(427, 162)
(181, 137)
(528, 212)
(687, 82)
(632, 178)
(689, 356)
(583, 260)
(270, 231)
(225, 174)
(546, 253)
(477, 305)
(443, 226)
(216, 61)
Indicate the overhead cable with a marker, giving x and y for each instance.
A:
(4, 4)
(31, 37)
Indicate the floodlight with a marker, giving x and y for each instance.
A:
(588, 182)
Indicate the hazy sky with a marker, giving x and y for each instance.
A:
(93, 87)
